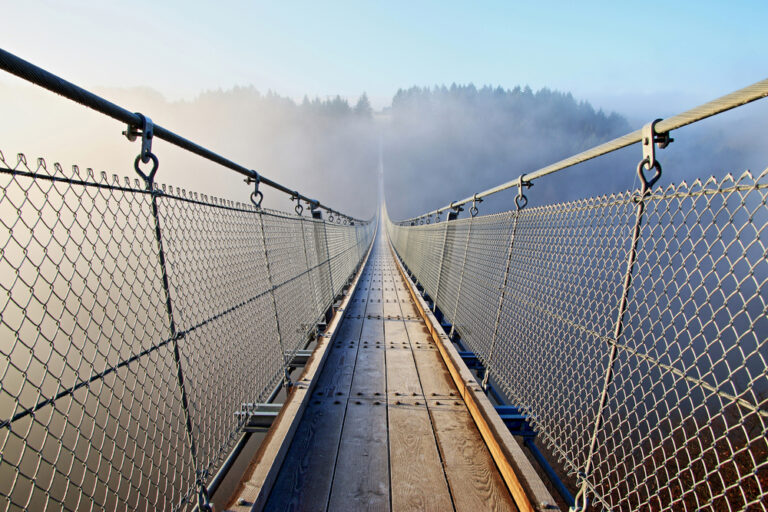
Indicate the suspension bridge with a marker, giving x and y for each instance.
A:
(162, 349)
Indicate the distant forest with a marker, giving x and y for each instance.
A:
(439, 143)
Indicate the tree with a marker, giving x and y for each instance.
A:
(363, 106)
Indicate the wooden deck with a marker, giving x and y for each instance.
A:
(385, 427)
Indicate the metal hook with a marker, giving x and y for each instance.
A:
(256, 196)
(299, 209)
(147, 132)
(648, 183)
(473, 208)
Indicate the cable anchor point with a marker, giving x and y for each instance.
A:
(256, 196)
(473, 208)
(147, 132)
(650, 139)
(521, 200)
(299, 209)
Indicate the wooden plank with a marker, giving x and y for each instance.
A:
(350, 329)
(369, 379)
(418, 479)
(336, 377)
(409, 309)
(374, 306)
(391, 306)
(357, 306)
(418, 332)
(395, 332)
(304, 481)
(402, 377)
(475, 482)
(436, 381)
(361, 477)
(373, 330)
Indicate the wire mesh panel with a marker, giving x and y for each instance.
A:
(135, 324)
(91, 414)
(677, 404)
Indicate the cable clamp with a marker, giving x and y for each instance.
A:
(473, 208)
(147, 132)
(650, 138)
(256, 196)
(299, 209)
(521, 200)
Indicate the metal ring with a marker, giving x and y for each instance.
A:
(647, 184)
(256, 198)
(521, 201)
(298, 209)
(148, 178)
(330, 217)
(472, 210)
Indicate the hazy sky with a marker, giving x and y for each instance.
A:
(618, 55)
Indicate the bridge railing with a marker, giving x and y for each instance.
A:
(138, 318)
(135, 323)
(632, 328)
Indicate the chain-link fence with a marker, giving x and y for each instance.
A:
(135, 323)
(640, 358)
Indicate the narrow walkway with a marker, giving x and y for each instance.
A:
(386, 428)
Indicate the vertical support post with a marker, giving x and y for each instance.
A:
(286, 375)
(502, 294)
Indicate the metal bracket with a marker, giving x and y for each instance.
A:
(258, 417)
(147, 132)
(521, 200)
(651, 138)
(256, 196)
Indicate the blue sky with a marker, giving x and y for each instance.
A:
(619, 55)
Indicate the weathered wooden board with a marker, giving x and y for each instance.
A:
(475, 482)
(418, 479)
(304, 481)
(361, 477)
(370, 374)
(436, 381)
(402, 377)
(373, 330)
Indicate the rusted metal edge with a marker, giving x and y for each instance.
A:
(256, 484)
(524, 483)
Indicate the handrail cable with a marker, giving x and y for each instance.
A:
(748, 94)
(38, 76)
